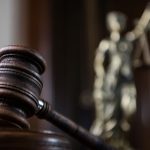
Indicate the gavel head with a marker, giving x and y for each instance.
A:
(20, 85)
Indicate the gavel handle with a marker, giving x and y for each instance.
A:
(71, 128)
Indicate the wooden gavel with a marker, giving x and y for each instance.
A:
(20, 88)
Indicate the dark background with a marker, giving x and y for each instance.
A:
(67, 33)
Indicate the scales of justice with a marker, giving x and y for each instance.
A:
(20, 88)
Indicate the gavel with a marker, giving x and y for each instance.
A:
(20, 88)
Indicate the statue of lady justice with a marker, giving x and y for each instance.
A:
(114, 89)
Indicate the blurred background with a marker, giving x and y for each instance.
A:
(67, 33)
